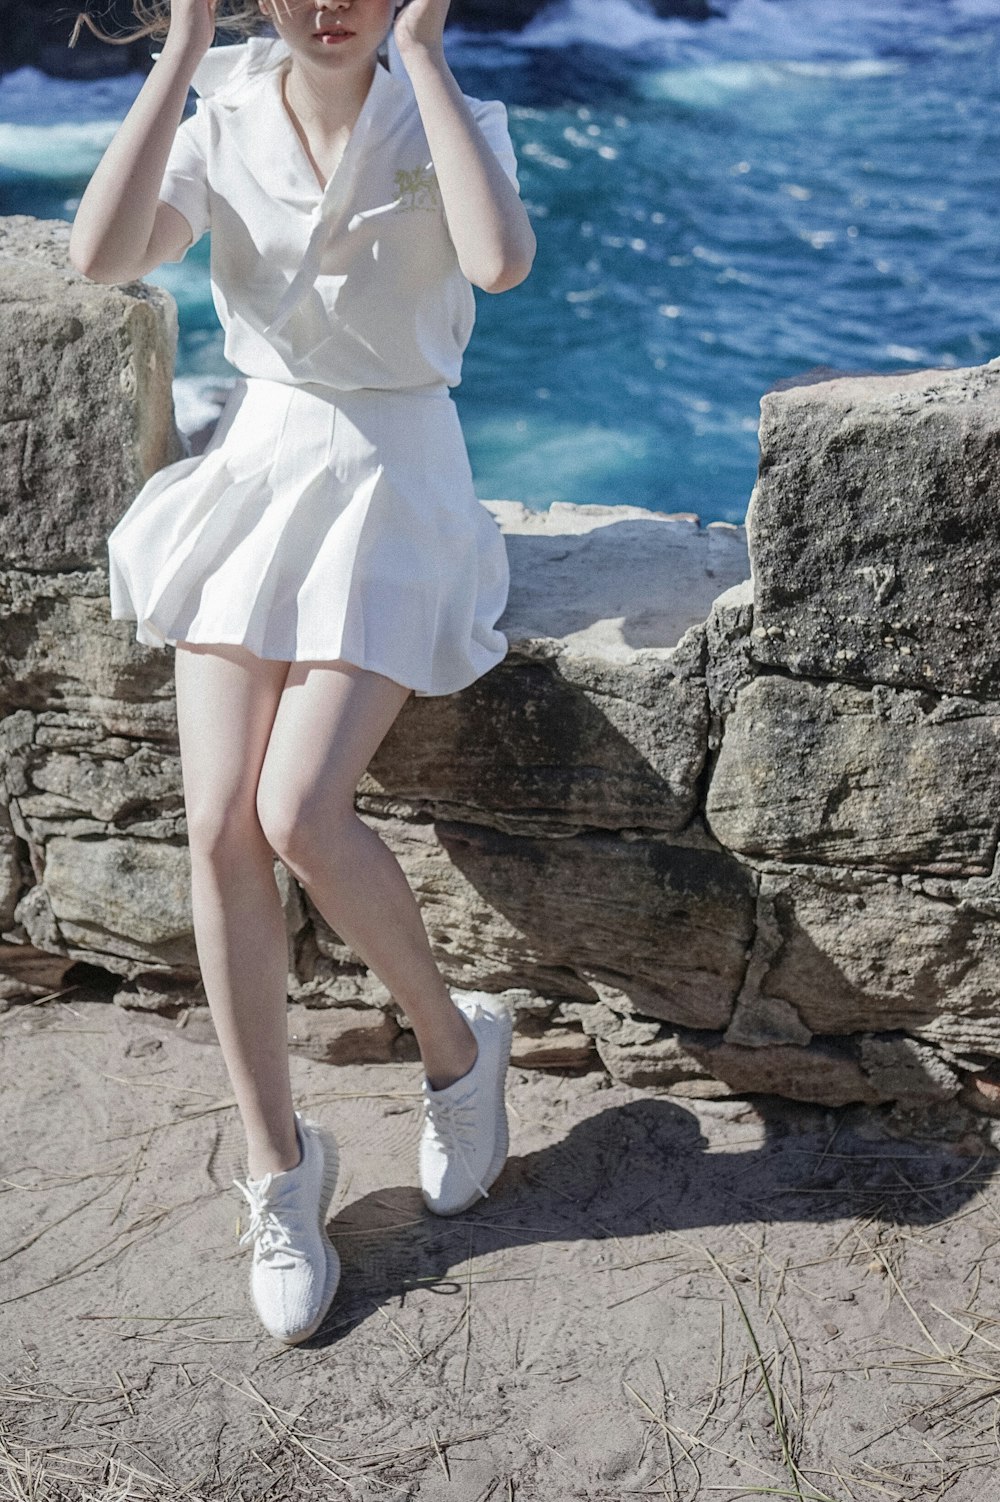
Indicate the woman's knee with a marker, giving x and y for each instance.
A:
(225, 829)
(299, 826)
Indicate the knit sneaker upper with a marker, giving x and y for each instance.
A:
(463, 1132)
(295, 1267)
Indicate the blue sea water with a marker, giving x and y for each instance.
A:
(718, 206)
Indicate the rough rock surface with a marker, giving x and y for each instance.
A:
(879, 777)
(84, 391)
(875, 530)
(679, 829)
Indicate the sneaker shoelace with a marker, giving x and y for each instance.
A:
(272, 1232)
(452, 1123)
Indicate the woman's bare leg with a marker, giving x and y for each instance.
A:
(329, 723)
(226, 703)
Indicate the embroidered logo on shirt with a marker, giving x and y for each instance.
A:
(418, 189)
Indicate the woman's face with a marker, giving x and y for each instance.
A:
(344, 32)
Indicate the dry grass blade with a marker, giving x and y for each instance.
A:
(777, 1408)
(286, 1431)
(347, 1468)
(41, 1001)
(159, 1126)
(879, 1255)
(373, 1460)
(77, 1270)
(683, 1435)
(145, 1082)
(467, 1312)
(669, 1432)
(402, 1336)
(50, 1225)
(125, 1393)
(975, 1334)
(441, 1457)
(32, 1474)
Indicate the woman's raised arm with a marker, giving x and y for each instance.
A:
(488, 223)
(113, 229)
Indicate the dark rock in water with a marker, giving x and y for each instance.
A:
(486, 15)
(34, 34)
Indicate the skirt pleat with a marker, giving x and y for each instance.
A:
(321, 526)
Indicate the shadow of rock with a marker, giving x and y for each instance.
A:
(634, 1170)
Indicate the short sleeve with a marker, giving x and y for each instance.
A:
(491, 117)
(185, 180)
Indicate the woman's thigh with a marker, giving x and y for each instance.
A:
(226, 704)
(330, 721)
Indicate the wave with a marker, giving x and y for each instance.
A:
(774, 29)
(56, 129)
(54, 153)
(714, 85)
(603, 23)
(198, 400)
(29, 94)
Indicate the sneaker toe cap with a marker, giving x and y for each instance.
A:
(291, 1308)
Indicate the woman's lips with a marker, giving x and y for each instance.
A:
(332, 36)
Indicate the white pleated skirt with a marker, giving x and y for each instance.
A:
(322, 525)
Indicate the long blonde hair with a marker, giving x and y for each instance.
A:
(240, 16)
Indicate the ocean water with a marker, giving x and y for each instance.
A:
(800, 183)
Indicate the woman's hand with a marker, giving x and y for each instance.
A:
(192, 26)
(419, 26)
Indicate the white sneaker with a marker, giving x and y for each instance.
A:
(464, 1136)
(295, 1268)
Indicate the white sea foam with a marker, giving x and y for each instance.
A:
(58, 128)
(862, 67)
(978, 10)
(55, 152)
(715, 84)
(604, 23)
(198, 400)
(785, 30)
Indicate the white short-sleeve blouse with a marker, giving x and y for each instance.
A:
(353, 286)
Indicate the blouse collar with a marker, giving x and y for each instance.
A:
(228, 74)
(249, 73)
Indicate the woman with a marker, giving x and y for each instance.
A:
(326, 556)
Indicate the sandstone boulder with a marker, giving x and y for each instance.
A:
(875, 530)
(85, 408)
(828, 772)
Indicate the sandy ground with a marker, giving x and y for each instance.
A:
(661, 1298)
